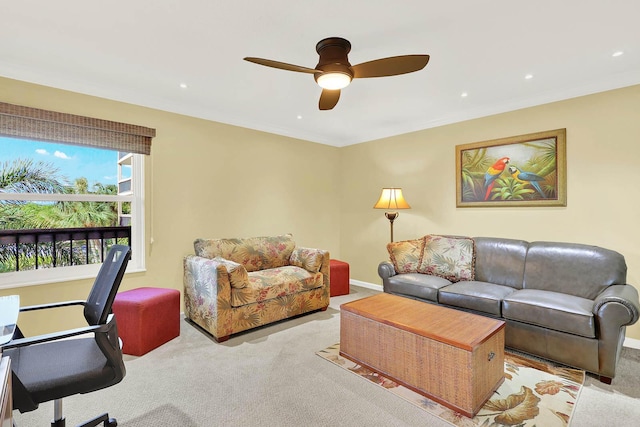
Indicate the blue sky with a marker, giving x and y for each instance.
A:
(73, 161)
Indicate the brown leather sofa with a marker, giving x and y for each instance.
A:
(564, 302)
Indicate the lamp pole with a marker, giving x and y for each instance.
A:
(391, 216)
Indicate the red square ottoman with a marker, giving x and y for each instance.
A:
(147, 318)
(338, 277)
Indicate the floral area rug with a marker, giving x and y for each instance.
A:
(532, 394)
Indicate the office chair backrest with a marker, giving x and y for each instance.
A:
(106, 285)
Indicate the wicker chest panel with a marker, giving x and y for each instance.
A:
(461, 377)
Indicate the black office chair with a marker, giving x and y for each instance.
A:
(50, 367)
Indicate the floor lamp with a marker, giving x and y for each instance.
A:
(391, 199)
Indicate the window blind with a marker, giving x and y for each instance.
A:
(36, 124)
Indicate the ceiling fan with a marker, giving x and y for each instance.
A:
(334, 71)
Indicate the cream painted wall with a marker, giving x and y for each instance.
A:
(203, 179)
(206, 179)
(603, 174)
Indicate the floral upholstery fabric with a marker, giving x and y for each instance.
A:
(406, 255)
(254, 253)
(275, 282)
(238, 276)
(307, 258)
(449, 257)
(208, 295)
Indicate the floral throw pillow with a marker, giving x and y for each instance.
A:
(449, 257)
(405, 255)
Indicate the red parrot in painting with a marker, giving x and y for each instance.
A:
(493, 173)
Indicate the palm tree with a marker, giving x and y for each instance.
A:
(88, 214)
(27, 176)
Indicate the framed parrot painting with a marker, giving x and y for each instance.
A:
(524, 170)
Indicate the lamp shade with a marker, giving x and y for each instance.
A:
(392, 199)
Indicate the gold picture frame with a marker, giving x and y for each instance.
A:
(524, 170)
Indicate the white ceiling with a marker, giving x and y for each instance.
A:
(139, 51)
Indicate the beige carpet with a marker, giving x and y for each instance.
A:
(533, 393)
(272, 377)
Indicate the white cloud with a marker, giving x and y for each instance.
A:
(61, 155)
(42, 151)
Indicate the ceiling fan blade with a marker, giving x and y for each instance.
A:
(281, 65)
(391, 66)
(329, 99)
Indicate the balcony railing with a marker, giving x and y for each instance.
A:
(33, 249)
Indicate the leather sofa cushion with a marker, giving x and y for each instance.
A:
(574, 269)
(473, 295)
(500, 261)
(552, 310)
(416, 285)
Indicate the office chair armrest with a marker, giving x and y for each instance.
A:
(22, 342)
(52, 305)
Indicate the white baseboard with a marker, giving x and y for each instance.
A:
(628, 342)
(631, 343)
(366, 285)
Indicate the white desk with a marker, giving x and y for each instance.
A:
(9, 310)
(6, 402)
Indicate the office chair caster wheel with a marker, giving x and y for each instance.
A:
(111, 423)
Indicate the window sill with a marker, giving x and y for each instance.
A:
(22, 279)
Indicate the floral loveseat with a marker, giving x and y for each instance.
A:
(231, 285)
(565, 302)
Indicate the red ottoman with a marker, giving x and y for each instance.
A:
(147, 318)
(338, 277)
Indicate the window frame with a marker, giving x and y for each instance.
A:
(80, 272)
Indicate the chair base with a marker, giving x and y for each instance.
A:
(104, 418)
(60, 421)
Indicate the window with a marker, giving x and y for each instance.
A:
(71, 198)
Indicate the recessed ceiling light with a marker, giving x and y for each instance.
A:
(464, 94)
(528, 76)
(618, 53)
(183, 85)
(299, 117)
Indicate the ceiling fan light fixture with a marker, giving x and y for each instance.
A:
(334, 72)
(333, 80)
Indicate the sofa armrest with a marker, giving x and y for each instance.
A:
(207, 294)
(614, 308)
(386, 270)
(624, 295)
(314, 261)
(308, 258)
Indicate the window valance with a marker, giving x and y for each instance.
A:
(33, 123)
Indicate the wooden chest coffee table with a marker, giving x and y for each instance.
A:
(450, 356)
